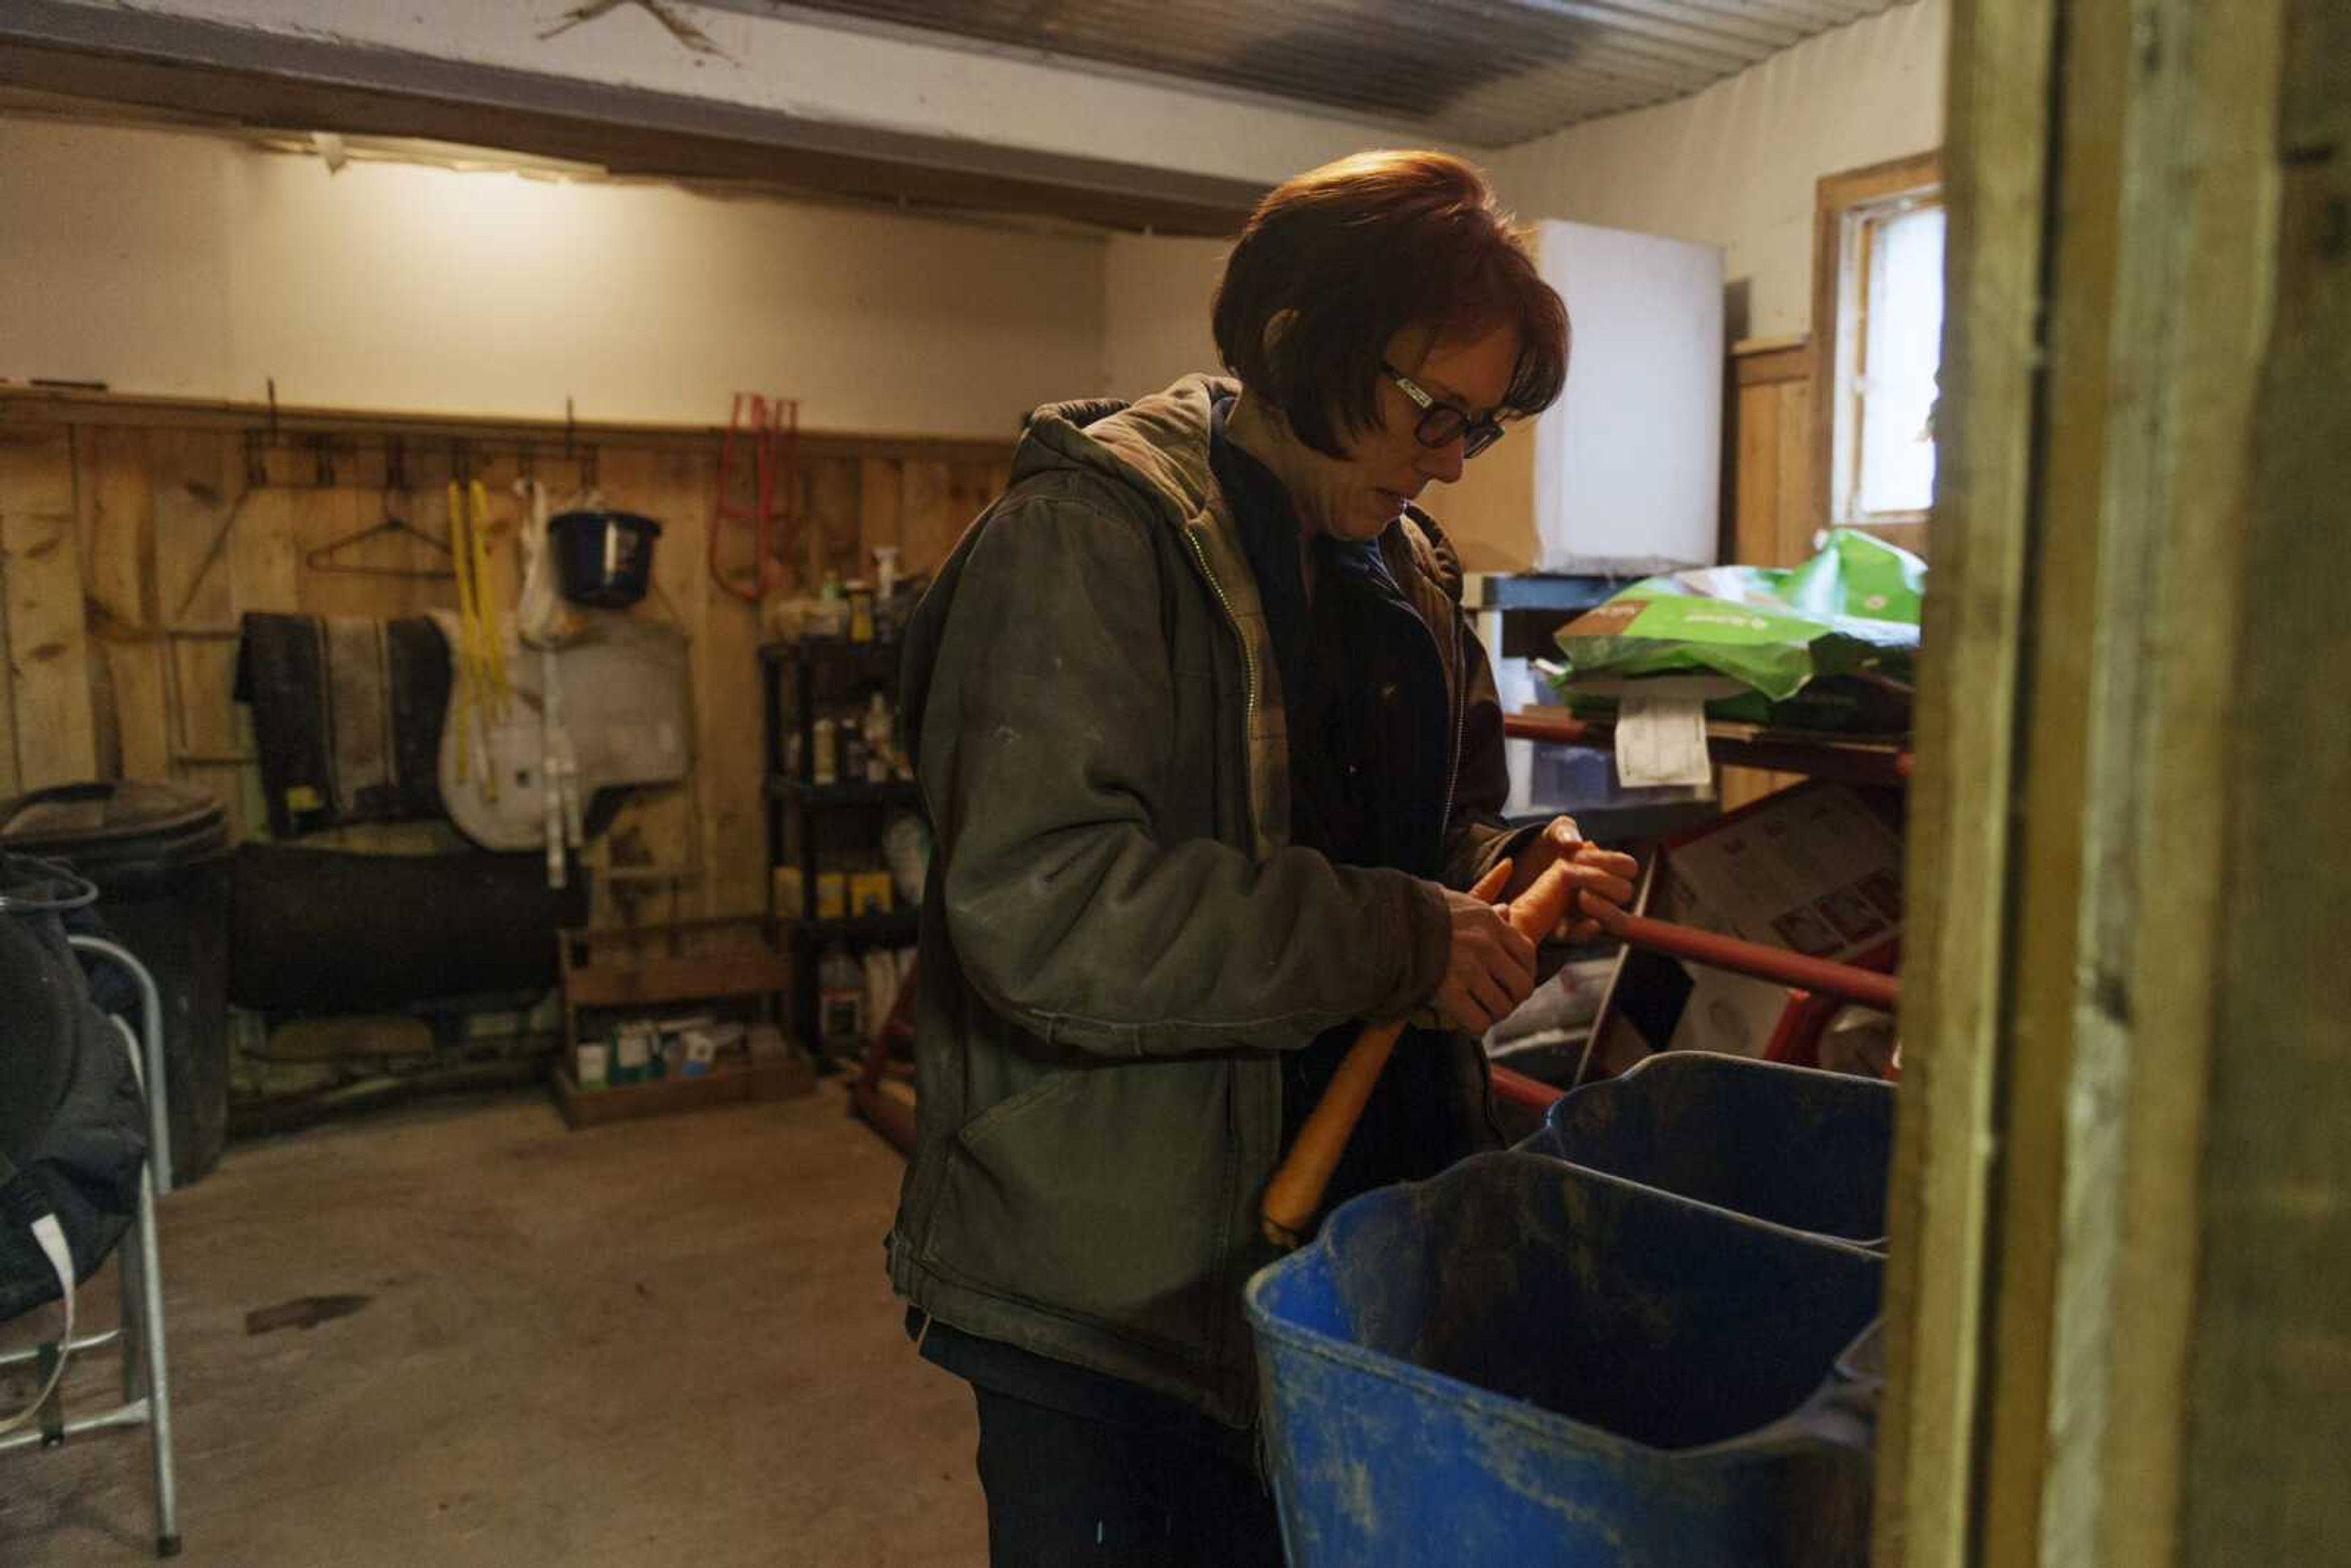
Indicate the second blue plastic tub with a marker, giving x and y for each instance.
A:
(1793, 1146)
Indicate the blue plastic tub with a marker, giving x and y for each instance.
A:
(1524, 1362)
(1798, 1147)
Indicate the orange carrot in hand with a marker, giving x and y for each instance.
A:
(1304, 1174)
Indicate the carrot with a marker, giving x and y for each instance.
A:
(1304, 1174)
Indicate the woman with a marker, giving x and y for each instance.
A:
(1210, 751)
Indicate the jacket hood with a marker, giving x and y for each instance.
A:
(1158, 446)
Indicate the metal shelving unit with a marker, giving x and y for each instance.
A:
(806, 818)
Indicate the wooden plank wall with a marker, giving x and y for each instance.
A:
(134, 536)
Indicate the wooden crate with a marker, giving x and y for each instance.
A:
(650, 967)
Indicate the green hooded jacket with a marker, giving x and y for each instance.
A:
(1116, 941)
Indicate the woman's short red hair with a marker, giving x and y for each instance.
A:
(1336, 262)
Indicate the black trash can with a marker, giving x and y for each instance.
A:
(159, 854)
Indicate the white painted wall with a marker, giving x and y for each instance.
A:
(1155, 299)
(1735, 165)
(181, 265)
(799, 65)
(187, 265)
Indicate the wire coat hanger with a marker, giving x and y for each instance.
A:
(322, 559)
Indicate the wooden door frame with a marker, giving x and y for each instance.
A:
(2114, 955)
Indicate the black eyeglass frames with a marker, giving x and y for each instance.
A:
(1441, 422)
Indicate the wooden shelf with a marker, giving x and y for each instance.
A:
(776, 1077)
(897, 926)
(1851, 760)
(827, 648)
(848, 792)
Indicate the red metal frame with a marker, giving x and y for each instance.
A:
(1794, 970)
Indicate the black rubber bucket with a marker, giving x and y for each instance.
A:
(159, 856)
(604, 558)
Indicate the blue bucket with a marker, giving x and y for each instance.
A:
(1525, 1363)
(604, 558)
(1795, 1146)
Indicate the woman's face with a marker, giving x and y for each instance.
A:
(1358, 496)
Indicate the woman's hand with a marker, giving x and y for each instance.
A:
(1601, 876)
(1490, 970)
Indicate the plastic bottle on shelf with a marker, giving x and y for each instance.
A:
(840, 1000)
(906, 850)
(881, 983)
(632, 1053)
(830, 616)
(889, 606)
(879, 723)
(852, 747)
(827, 768)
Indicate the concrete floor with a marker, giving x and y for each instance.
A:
(664, 1342)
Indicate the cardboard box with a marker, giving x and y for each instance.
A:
(1816, 869)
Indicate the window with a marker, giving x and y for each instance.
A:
(1878, 318)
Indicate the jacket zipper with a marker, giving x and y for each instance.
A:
(1460, 705)
(1249, 730)
(1248, 660)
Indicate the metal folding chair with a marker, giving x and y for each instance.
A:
(146, 1382)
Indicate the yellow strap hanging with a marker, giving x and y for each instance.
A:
(475, 694)
(462, 656)
(492, 641)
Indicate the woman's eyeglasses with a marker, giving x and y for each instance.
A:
(1441, 423)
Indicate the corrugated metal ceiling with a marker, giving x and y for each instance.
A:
(1486, 73)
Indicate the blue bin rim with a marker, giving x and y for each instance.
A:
(1722, 1061)
(1485, 1403)
(1715, 1062)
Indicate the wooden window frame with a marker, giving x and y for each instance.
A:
(1839, 200)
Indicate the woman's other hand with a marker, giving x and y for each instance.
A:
(1602, 877)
